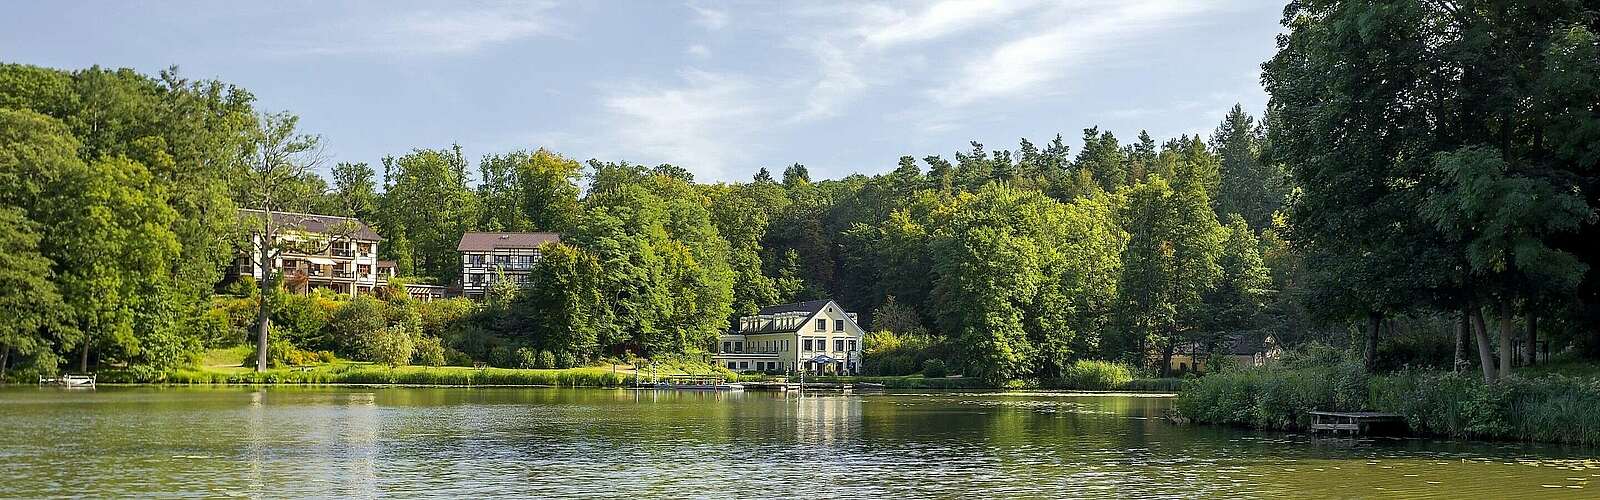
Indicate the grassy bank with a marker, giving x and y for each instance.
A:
(1547, 408)
(352, 373)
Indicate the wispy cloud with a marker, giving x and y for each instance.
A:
(709, 18)
(459, 29)
(939, 20)
(1023, 64)
(705, 124)
(698, 51)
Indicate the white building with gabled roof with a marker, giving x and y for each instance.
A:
(816, 336)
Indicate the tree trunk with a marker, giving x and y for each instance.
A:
(1463, 327)
(5, 356)
(1505, 338)
(1370, 354)
(263, 319)
(83, 358)
(1530, 353)
(1485, 357)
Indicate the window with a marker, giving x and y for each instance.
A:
(822, 325)
(838, 344)
(727, 346)
(838, 325)
(852, 344)
(806, 343)
(744, 365)
(738, 347)
(732, 365)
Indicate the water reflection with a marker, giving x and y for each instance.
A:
(291, 442)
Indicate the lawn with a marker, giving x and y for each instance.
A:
(224, 366)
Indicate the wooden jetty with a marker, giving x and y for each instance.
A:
(1357, 422)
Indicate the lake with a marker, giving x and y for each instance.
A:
(452, 442)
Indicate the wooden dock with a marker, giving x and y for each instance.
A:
(1357, 422)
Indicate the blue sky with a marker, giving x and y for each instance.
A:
(720, 88)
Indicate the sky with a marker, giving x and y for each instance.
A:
(719, 88)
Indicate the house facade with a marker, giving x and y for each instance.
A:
(1238, 350)
(487, 257)
(319, 252)
(817, 337)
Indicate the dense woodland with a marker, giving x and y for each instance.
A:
(1422, 182)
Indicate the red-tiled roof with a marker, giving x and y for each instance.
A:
(484, 242)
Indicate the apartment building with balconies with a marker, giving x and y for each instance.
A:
(317, 252)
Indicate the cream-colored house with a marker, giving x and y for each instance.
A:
(345, 258)
(817, 336)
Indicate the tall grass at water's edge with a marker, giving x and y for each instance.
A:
(1553, 408)
(381, 375)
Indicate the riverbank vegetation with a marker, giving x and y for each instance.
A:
(1420, 190)
(1543, 407)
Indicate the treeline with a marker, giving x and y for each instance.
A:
(1423, 180)
(1020, 261)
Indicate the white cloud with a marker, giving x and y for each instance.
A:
(709, 18)
(703, 125)
(459, 29)
(1023, 64)
(940, 20)
(698, 50)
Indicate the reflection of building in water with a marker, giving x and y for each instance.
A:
(827, 419)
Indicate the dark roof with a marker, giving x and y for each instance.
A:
(1248, 345)
(809, 307)
(484, 242)
(314, 223)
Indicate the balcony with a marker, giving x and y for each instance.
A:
(342, 252)
(344, 274)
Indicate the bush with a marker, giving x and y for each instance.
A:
(430, 351)
(934, 368)
(355, 324)
(547, 360)
(280, 353)
(1553, 409)
(526, 358)
(392, 346)
(1093, 375)
(565, 359)
(1274, 397)
(888, 353)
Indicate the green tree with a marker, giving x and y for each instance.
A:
(1170, 264)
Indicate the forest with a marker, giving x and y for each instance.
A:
(1422, 181)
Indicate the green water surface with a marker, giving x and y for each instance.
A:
(606, 443)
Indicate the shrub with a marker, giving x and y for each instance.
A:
(355, 324)
(934, 368)
(429, 351)
(888, 353)
(546, 360)
(280, 353)
(526, 358)
(565, 359)
(1094, 375)
(392, 346)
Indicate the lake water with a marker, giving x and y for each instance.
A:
(407, 442)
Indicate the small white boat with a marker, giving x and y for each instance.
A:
(69, 380)
(697, 383)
